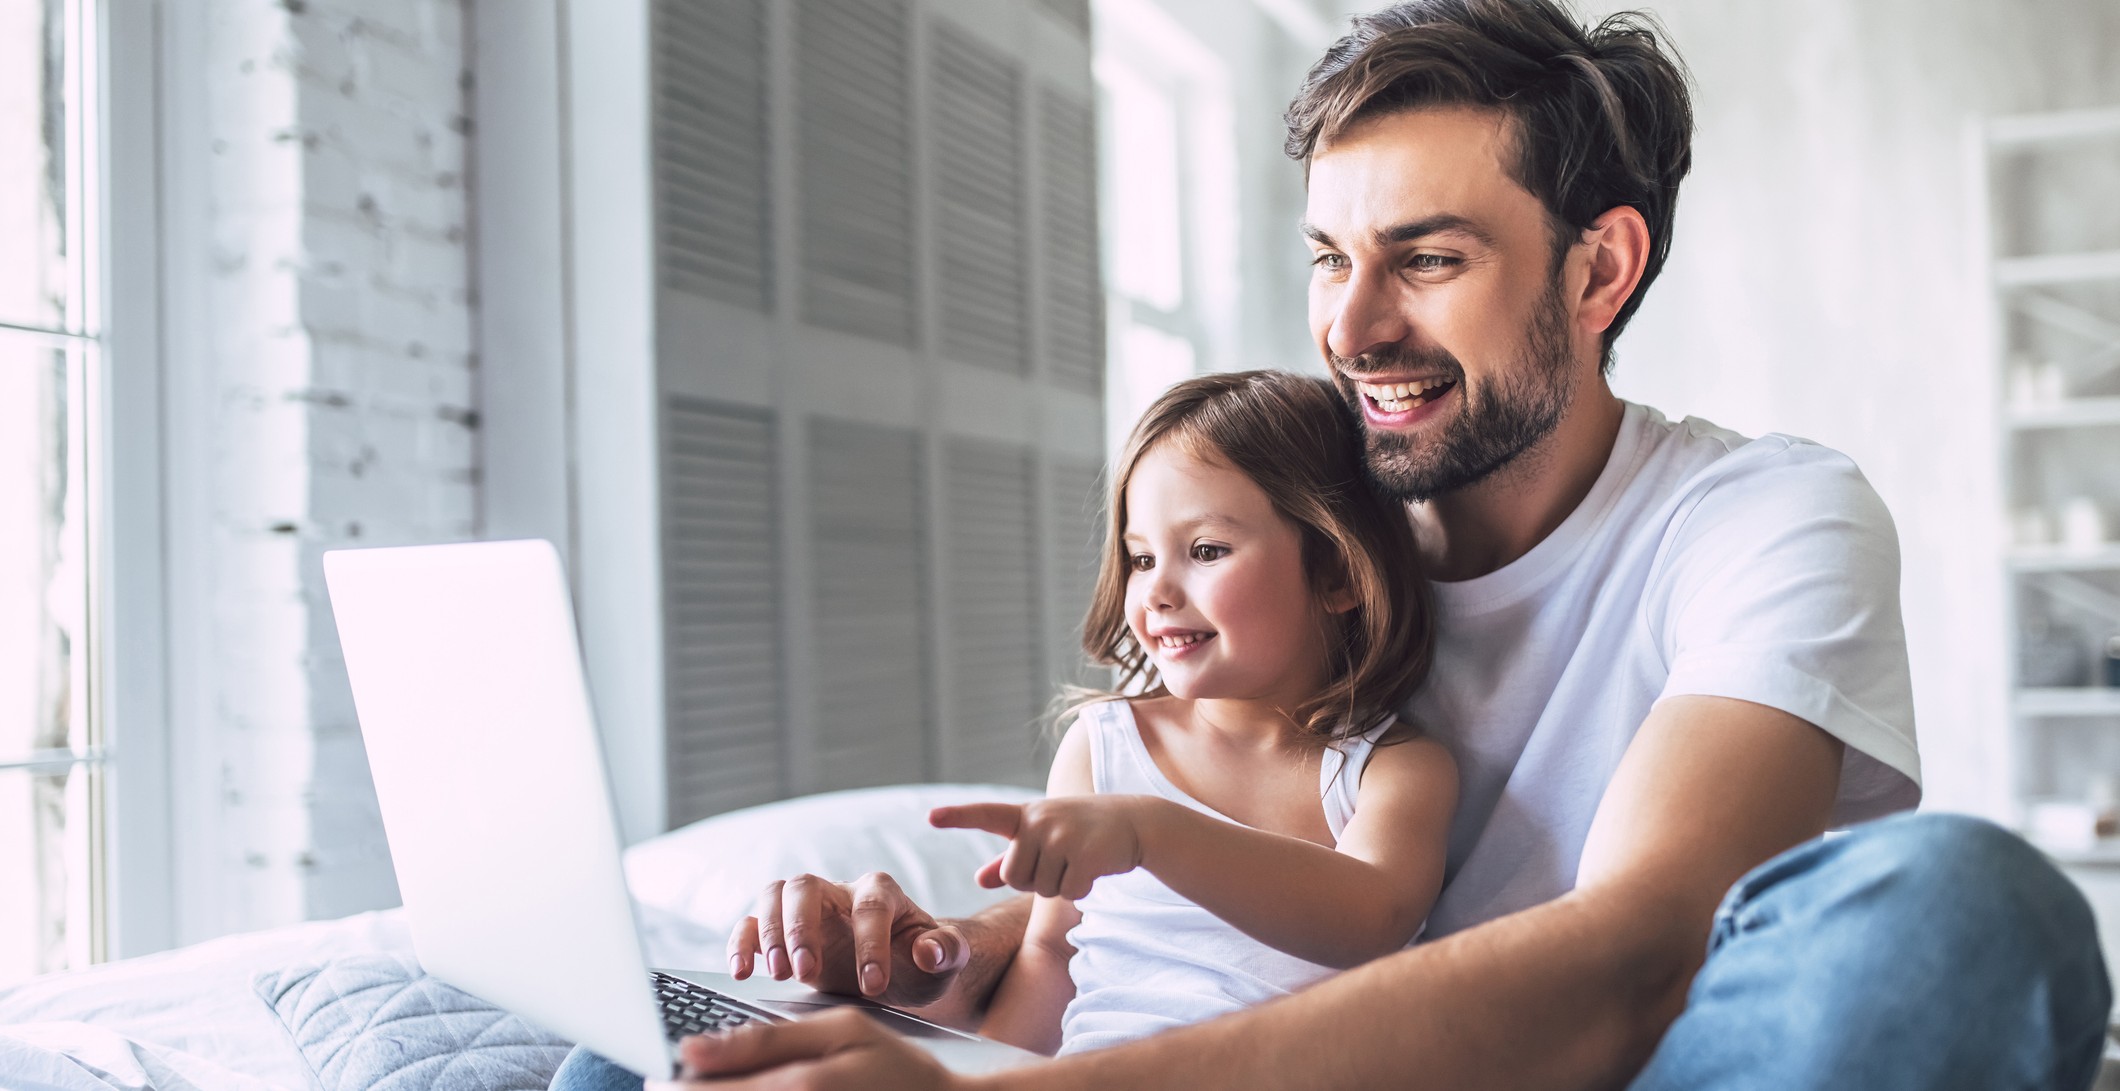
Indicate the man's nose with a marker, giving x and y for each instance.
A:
(1366, 317)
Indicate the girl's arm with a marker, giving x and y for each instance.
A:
(1337, 907)
(1036, 988)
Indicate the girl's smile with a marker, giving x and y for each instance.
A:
(1216, 592)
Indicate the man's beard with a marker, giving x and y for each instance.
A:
(1494, 423)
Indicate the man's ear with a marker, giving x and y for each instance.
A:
(1618, 243)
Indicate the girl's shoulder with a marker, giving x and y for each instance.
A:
(1405, 755)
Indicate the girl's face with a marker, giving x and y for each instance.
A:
(1216, 589)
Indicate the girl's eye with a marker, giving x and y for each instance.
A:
(1140, 562)
(1206, 554)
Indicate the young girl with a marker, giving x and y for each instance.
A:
(1252, 818)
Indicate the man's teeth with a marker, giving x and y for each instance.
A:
(1182, 641)
(1399, 397)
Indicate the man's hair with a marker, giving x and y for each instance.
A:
(1601, 116)
(1299, 442)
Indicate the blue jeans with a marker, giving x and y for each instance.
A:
(1922, 951)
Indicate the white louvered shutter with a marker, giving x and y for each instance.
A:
(722, 580)
(867, 538)
(1073, 285)
(712, 211)
(1075, 528)
(1075, 13)
(975, 97)
(991, 608)
(855, 168)
(879, 345)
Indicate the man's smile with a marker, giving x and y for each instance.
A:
(1398, 405)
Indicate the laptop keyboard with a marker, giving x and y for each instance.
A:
(693, 1009)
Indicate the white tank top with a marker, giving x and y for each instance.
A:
(1146, 959)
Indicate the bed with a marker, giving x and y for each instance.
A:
(338, 1005)
(341, 1004)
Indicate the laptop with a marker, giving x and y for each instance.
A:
(468, 682)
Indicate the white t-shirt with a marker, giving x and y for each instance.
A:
(1700, 563)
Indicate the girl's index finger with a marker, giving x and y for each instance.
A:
(1000, 818)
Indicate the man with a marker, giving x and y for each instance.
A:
(1669, 659)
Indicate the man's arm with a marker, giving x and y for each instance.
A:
(1574, 993)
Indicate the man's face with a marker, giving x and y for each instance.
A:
(1435, 297)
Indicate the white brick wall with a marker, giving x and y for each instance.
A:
(340, 330)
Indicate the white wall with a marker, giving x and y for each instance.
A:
(321, 385)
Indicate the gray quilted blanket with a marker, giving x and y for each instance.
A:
(376, 1021)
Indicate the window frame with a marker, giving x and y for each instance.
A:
(133, 911)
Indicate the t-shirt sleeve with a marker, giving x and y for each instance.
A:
(1779, 585)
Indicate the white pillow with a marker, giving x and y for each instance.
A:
(711, 872)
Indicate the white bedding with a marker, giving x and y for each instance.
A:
(190, 1018)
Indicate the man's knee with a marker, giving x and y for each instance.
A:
(1970, 870)
(1971, 901)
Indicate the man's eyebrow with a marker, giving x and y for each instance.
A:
(1442, 223)
(1411, 230)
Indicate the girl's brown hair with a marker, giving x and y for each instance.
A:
(1298, 441)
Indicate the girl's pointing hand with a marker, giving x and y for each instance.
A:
(1058, 847)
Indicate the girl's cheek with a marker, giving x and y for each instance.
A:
(1134, 612)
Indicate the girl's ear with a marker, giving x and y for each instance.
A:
(1340, 599)
(1336, 590)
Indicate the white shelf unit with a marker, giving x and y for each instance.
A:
(2056, 345)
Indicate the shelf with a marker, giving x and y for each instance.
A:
(2031, 559)
(2105, 853)
(2033, 130)
(2079, 702)
(2072, 413)
(2057, 269)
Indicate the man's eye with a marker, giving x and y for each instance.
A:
(1330, 262)
(1207, 554)
(1433, 263)
(1140, 562)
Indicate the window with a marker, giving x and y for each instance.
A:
(50, 753)
(1169, 206)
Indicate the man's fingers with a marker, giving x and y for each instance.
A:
(877, 904)
(743, 948)
(941, 950)
(804, 907)
(757, 1046)
(1001, 818)
(770, 938)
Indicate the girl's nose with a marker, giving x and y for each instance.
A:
(1163, 591)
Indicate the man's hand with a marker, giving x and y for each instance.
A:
(1058, 847)
(839, 1049)
(862, 937)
